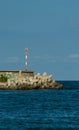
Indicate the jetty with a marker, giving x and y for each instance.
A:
(25, 79)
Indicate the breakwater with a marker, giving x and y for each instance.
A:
(37, 81)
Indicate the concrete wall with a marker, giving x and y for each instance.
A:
(18, 73)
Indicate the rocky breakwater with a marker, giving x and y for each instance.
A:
(38, 81)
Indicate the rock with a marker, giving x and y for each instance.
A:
(44, 74)
(39, 81)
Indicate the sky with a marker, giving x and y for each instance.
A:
(50, 31)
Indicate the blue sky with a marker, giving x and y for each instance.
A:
(48, 28)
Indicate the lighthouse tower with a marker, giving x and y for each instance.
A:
(26, 58)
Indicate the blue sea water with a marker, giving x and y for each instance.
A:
(40, 109)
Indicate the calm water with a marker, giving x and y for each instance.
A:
(40, 109)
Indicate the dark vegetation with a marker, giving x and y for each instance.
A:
(3, 78)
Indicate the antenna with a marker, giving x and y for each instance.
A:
(26, 58)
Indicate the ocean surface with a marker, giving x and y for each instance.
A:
(40, 109)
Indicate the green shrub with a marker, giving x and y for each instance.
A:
(3, 78)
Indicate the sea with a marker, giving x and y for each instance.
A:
(40, 109)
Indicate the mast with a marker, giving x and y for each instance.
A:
(26, 58)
